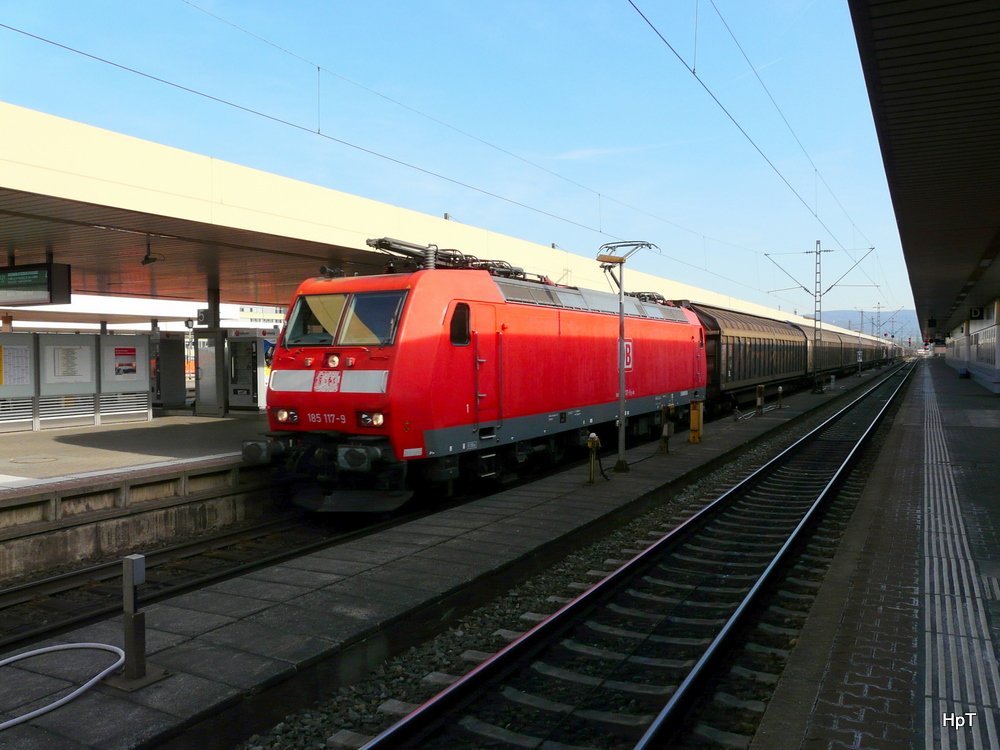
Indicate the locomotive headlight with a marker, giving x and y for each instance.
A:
(286, 416)
(332, 360)
(371, 418)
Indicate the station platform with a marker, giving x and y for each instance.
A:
(29, 458)
(240, 654)
(900, 649)
(85, 493)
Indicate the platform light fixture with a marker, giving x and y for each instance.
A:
(611, 255)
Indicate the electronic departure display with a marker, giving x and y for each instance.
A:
(40, 284)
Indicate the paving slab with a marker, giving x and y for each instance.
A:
(238, 646)
(904, 631)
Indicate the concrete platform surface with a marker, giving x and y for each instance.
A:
(900, 649)
(28, 457)
(239, 651)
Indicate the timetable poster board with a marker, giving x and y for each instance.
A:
(68, 364)
(15, 365)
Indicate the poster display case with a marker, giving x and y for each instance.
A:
(67, 394)
(124, 383)
(52, 380)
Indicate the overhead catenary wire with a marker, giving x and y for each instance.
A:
(288, 123)
(303, 128)
(791, 130)
(732, 119)
(784, 119)
(748, 137)
(601, 197)
(465, 133)
(599, 229)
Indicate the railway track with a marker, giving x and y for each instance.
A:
(39, 608)
(44, 606)
(629, 663)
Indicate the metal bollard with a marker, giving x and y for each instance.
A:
(593, 443)
(136, 673)
(134, 575)
(779, 397)
(668, 431)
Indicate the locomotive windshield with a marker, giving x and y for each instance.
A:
(367, 319)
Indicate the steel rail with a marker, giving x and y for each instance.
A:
(425, 718)
(112, 570)
(663, 726)
(60, 582)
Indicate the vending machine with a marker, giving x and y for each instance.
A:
(249, 365)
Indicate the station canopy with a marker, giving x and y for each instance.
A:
(106, 246)
(933, 73)
(138, 219)
(103, 202)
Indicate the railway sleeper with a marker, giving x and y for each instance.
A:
(645, 636)
(778, 630)
(803, 582)
(757, 648)
(712, 563)
(690, 587)
(746, 549)
(493, 733)
(731, 701)
(605, 717)
(805, 598)
(578, 678)
(646, 661)
(672, 619)
(699, 574)
(656, 599)
(721, 737)
(766, 678)
(759, 528)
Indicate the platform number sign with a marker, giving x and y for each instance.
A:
(628, 354)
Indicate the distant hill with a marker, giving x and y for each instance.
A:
(903, 324)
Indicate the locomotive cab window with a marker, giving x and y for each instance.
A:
(362, 319)
(372, 319)
(315, 319)
(460, 329)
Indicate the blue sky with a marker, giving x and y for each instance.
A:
(565, 121)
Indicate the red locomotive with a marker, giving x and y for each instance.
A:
(469, 368)
(461, 368)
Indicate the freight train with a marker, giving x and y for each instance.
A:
(453, 367)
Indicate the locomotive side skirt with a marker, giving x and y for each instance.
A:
(465, 438)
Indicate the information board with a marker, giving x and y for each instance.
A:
(41, 284)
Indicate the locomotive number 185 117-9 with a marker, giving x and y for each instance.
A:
(319, 418)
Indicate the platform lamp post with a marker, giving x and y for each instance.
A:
(611, 255)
